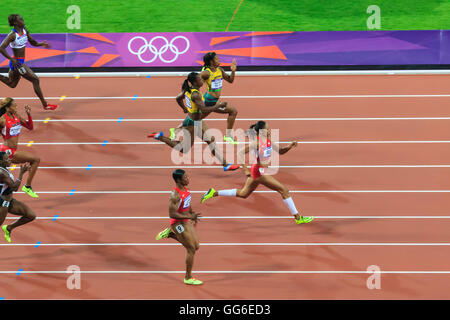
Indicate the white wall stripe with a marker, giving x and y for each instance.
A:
(223, 272)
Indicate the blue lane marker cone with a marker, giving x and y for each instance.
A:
(55, 217)
(89, 167)
(2, 298)
(104, 143)
(19, 272)
(37, 244)
(148, 76)
(135, 97)
(72, 191)
(120, 120)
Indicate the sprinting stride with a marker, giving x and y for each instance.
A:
(11, 124)
(17, 39)
(194, 107)
(262, 148)
(8, 203)
(182, 222)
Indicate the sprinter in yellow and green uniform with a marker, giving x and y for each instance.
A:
(192, 102)
(214, 75)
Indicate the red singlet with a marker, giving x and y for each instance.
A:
(263, 154)
(12, 127)
(184, 205)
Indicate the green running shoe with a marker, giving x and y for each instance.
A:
(7, 233)
(208, 195)
(30, 192)
(304, 220)
(229, 139)
(193, 281)
(172, 133)
(163, 234)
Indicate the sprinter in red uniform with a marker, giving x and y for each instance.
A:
(257, 174)
(182, 222)
(10, 125)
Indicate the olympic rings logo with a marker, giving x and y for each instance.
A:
(158, 53)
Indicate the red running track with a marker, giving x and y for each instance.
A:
(250, 249)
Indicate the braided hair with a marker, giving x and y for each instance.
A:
(254, 128)
(207, 58)
(5, 104)
(190, 79)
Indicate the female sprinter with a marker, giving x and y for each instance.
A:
(195, 106)
(10, 125)
(8, 203)
(17, 39)
(213, 75)
(181, 228)
(263, 149)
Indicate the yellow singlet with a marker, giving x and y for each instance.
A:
(190, 104)
(214, 82)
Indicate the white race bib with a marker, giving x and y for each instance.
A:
(187, 202)
(188, 103)
(14, 131)
(216, 84)
(267, 152)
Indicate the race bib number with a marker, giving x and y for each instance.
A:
(22, 70)
(188, 103)
(14, 131)
(187, 202)
(8, 152)
(267, 152)
(5, 204)
(261, 170)
(216, 84)
(179, 228)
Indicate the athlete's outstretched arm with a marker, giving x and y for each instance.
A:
(227, 77)
(197, 98)
(283, 150)
(180, 101)
(29, 123)
(14, 185)
(195, 215)
(10, 38)
(35, 43)
(205, 74)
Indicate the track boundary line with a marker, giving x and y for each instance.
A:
(257, 191)
(251, 97)
(224, 272)
(219, 167)
(236, 217)
(221, 142)
(236, 244)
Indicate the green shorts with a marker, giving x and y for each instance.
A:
(188, 122)
(210, 101)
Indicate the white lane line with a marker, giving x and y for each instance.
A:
(224, 272)
(282, 142)
(219, 167)
(262, 191)
(245, 119)
(253, 97)
(409, 244)
(239, 217)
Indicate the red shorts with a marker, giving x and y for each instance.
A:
(257, 171)
(173, 221)
(8, 150)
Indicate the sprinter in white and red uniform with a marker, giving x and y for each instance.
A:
(17, 40)
(7, 202)
(11, 124)
(262, 146)
(182, 222)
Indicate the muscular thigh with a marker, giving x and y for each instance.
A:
(29, 75)
(23, 156)
(19, 208)
(185, 233)
(271, 183)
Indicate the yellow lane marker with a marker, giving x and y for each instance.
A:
(77, 77)
(30, 143)
(13, 167)
(62, 98)
(46, 120)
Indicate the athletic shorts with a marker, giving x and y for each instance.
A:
(8, 150)
(210, 101)
(256, 171)
(188, 122)
(173, 221)
(20, 60)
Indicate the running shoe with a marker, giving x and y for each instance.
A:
(230, 167)
(229, 139)
(30, 192)
(172, 133)
(7, 233)
(163, 234)
(155, 135)
(193, 281)
(51, 106)
(304, 220)
(208, 195)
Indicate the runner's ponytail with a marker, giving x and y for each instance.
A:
(207, 59)
(190, 79)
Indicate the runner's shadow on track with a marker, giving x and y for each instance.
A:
(55, 204)
(330, 227)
